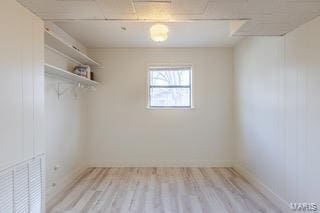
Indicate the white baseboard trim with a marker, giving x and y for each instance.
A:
(53, 192)
(265, 190)
(160, 164)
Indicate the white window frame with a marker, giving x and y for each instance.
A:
(169, 66)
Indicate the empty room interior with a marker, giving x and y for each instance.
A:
(159, 106)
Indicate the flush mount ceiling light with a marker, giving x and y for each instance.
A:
(159, 32)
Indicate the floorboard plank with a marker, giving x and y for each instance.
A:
(162, 190)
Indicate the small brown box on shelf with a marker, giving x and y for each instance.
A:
(92, 76)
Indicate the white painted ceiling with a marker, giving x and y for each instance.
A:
(265, 17)
(98, 34)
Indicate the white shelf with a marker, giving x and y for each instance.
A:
(52, 70)
(54, 42)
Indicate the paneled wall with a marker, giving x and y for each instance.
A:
(277, 84)
(66, 123)
(21, 84)
(66, 136)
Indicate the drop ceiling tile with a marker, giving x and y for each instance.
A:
(228, 1)
(293, 7)
(169, 9)
(225, 10)
(188, 6)
(259, 7)
(300, 1)
(117, 8)
(153, 10)
(152, 1)
(53, 9)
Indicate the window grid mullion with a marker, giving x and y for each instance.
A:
(188, 86)
(152, 86)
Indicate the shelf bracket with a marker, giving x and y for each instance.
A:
(77, 88)
(61, 90)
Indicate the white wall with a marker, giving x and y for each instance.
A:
(124, 133)
(277, 84)
(66, 126)
(66, 137)
(21, 84)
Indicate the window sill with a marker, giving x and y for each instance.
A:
(170, 108)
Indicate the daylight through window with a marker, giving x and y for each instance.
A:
(170, 87)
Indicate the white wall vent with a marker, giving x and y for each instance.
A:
(21, 188)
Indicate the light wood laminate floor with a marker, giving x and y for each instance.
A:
(154, 190)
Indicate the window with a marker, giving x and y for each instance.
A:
(170, 87)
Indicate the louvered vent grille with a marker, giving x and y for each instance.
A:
(21, 188)
(35, 180)
(21, 192)
(6, 192)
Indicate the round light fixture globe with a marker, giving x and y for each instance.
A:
(159, 32)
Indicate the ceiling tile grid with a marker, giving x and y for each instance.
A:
(265, 17)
